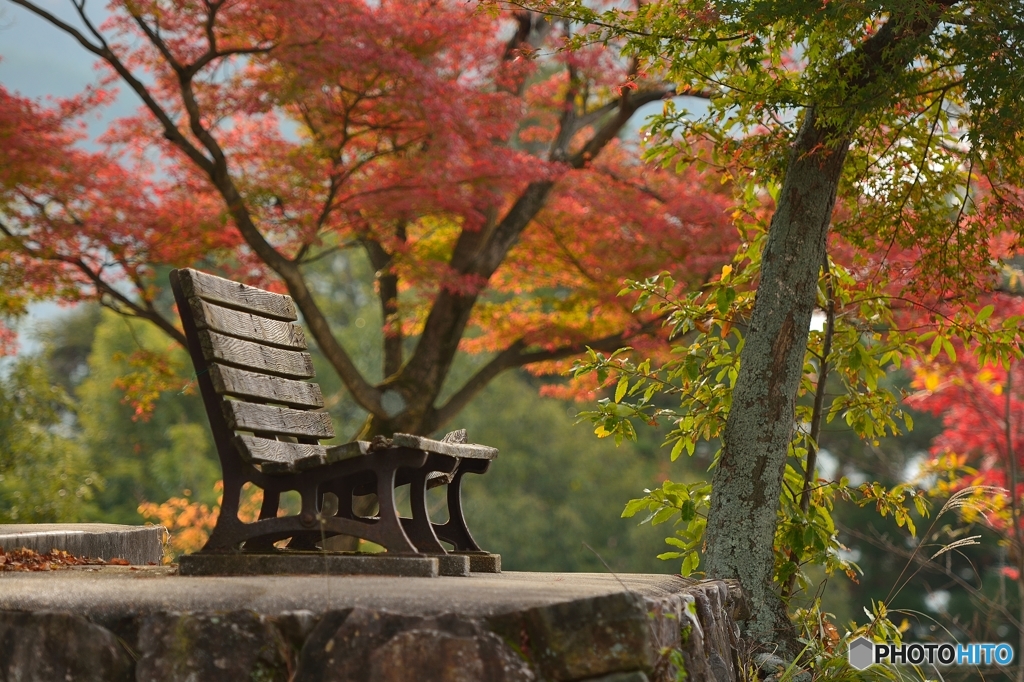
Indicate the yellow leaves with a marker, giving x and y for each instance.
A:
(928, 377)
(726, 271)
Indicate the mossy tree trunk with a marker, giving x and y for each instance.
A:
(748, 481)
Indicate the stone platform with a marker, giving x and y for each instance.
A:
(140, 545)
(147, 623)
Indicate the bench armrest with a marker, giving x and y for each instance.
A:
(460, 450)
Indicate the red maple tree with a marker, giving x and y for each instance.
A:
(489, 188)
(982, 408)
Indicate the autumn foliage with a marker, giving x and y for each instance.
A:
(190, 523)
(486, 185)
(981, 404)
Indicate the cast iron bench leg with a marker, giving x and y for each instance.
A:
(419, 528)
(455, 530)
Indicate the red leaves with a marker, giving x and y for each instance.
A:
(980, 406)
(413, 125)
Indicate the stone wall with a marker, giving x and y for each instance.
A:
(621, 636)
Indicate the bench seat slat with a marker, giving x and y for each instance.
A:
(235, 295)
(254, 356)
(277, 420)
(356, 448)
(242, 384)
(246, 325)
(275, 457)
(461, 450)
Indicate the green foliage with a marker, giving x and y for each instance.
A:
(45, 475)
(143, 458)
(690, 504)
(553, 488)
(707, 326)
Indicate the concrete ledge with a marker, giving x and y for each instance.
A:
(313, 563)
(140, 545)
(126, 623)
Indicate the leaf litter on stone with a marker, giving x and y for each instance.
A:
(25, 559)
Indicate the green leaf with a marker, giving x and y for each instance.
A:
(688, 511)
(663, 515)
(635, 506)
(950, 351)
(689, 563)
(620, 389)
(724, 299)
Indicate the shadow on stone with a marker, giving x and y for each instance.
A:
(42, 646)
(360, 645)
(240, 645)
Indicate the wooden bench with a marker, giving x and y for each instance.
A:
(268, 420)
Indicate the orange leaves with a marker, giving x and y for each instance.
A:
(153, 373)
(190, 523)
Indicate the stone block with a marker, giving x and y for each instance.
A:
(239, 645)
(585, 637)
(634, 676)
(361, 645)
(140, 545)
(47, 646)
(453, 565)
(482, 562)
(312, 563)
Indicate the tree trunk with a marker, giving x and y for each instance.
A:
(748, 481)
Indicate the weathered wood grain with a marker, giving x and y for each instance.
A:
(255, 356)
(243, 384)
(246, 325)
(466, 451)
(275, 457)
(277, 420)
(356, 448)
(457, 436)
(235, 295)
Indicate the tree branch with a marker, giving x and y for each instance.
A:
(516, 355)
(387, 290)
(215, 166)
(146, 311)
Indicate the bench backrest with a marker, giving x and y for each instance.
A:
(251, 367)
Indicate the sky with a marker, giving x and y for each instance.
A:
(38, 60)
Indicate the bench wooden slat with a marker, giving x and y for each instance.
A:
(242, 384)
(356, 448)
(275, 457)
(277, 420)
(254, 356)
(208, 287)
(246, 325)
(465, 451)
